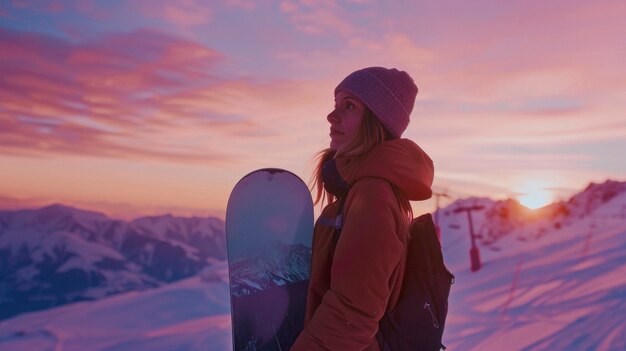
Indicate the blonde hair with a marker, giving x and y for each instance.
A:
(370, 134)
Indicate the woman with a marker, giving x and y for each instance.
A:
(355, 279)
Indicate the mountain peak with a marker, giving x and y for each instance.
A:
(56, 211)
(58, 207)
(596, 194)
(606, 190)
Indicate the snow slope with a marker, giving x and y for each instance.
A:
(562, 290)
(191, 314)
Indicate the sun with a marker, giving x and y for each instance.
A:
(533, 195)
(535, 200)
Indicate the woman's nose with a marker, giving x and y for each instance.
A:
(332, 116)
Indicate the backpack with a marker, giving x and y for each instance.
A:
(416, 323)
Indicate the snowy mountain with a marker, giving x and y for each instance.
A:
(57, 255)
(277, 264)
(542, 286)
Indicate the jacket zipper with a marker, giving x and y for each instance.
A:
(432, 314)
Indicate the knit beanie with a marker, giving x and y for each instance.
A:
(388, 93)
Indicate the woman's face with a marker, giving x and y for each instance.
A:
(345, 119)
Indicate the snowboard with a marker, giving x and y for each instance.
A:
(269, 231)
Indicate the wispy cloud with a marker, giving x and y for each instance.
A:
(124, 95)
(183, 12)
(247, 5)
(318, 17)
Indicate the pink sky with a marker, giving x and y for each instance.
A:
(150, 107)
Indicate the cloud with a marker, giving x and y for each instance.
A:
(318, 17)
(93, 9)
(145, 95)
(142, 94)
(506, 52)
(247, 5)
(183, 13)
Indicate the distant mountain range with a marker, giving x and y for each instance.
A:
(58, 254)
(551, 279)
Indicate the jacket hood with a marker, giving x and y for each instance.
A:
(400, 161)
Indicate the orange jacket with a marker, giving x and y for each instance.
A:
(354, 283)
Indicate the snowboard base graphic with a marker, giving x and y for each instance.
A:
(269, 229)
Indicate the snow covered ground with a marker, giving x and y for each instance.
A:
(542, 286)
(563, 290)
(191, 314)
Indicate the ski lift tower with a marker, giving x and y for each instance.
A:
(437, 196)
(475, 263)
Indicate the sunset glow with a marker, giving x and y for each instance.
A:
(147, 107)
(535, 200)
(534, 194)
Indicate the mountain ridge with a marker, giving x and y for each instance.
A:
(79, 254)
(563, 290)
(59, 254)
